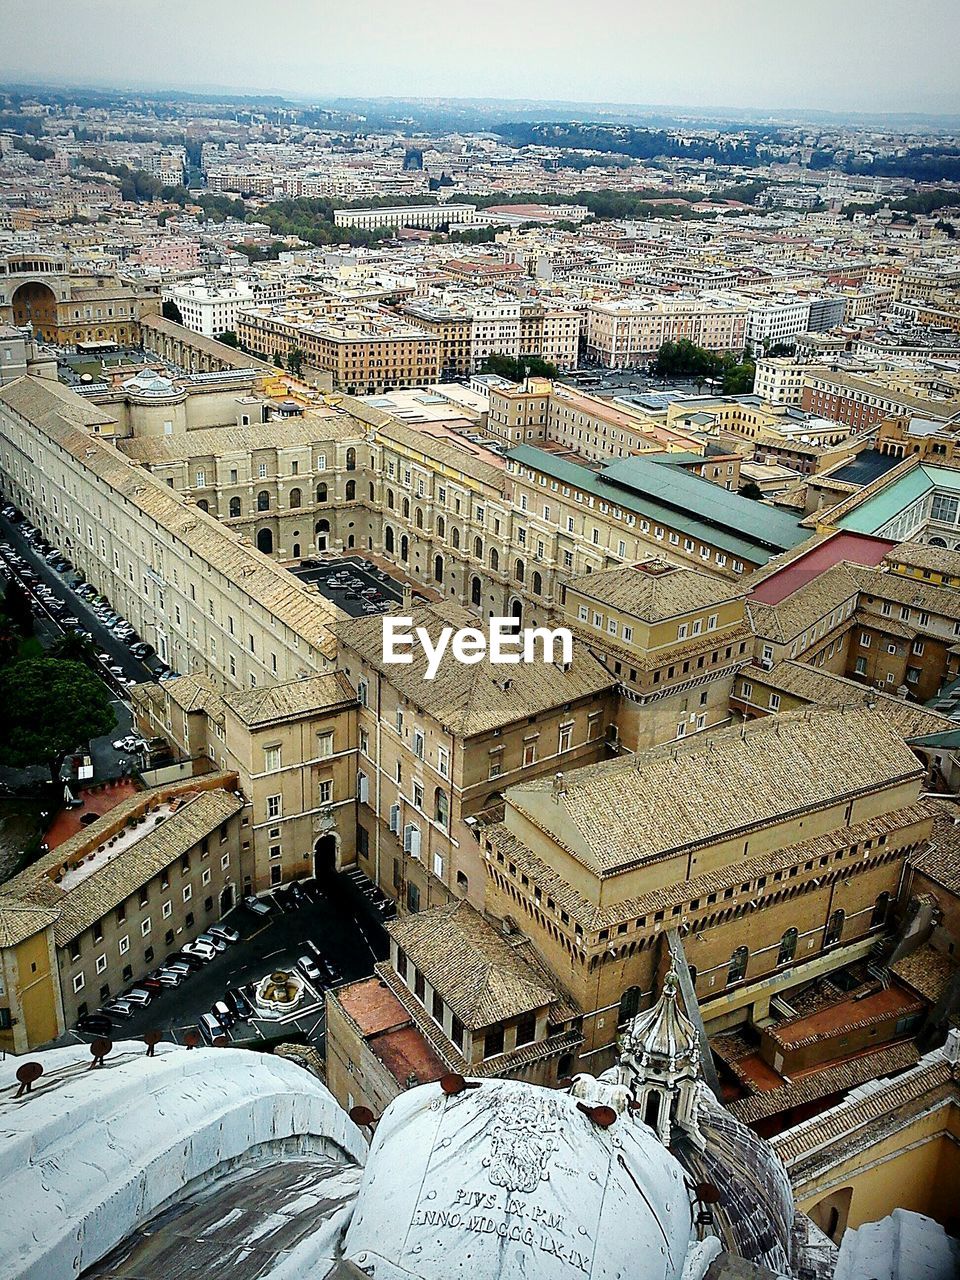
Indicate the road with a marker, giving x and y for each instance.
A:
(351, 937)
(107, 762)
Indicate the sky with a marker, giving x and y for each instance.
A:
(836, 55)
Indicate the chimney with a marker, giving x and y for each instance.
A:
(559, 786)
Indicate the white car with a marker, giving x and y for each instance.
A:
(224, 932)
(211, 940)
(200, 950)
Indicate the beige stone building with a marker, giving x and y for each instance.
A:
(434, 754)
(772, 865)
(293, 750)
(673, 637)
(103, 908)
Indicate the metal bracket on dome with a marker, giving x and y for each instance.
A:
(692, 1010)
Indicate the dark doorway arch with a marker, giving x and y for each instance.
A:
(438, 568)
(265, 541)
(226, 899)
(475, 589)
(325, 857)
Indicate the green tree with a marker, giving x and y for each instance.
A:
(228, 338)
(738, 378)
(278, 359)
(295, 361)
(71, 646)
(18, 609)
(750, 489)
(518, 369)
(50, 707)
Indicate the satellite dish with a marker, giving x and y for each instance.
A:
(362, 1116)
(27, 1074)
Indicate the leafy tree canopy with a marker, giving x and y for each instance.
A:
(50, 707)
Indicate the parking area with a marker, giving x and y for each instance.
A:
(328, 923)
(357, 586)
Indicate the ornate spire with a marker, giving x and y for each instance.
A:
(660, 1063)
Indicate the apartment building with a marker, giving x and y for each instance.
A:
(99, 911)
(630, 331)
(673, 637)
(772, 865)
(433, 754)
(207, 308)
(205, 599)
(366, 351)
(292, 747)
(780, 380)
(862, 402)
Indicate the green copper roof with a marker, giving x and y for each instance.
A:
(679, 501)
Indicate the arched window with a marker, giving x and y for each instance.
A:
(321, 492)
(478, 548)
(441, 527)
(518, 571)
(834, 928)
(738, 965)
(788, 947)
(418, 518)
(475, 589)
(494, 559)
(390, 499)
(537, 584)
(441, 807)
(371, 491)
(351, 459)
(404, 547)
(263, 500)
(351, 490)
(296, 498)
(406, 508)
(455, 538)
(693, 976)
(629, 1005)
(388, 539)
(234, 507)
(203, 504)
(438, 568)
(880, 909)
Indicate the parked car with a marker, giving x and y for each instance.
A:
(256, 905)
(96, 1024)
(176, 964)
(199, 950)
(210, 1027)
(138, 996)
(141, 649)
(194, 962)
(225, 932)
(118, 1009)
(170, 977)
(211, 940)
(309, 970)
(223, 1013)
(331, 974)
(238, 1002)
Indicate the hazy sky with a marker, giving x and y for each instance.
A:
(842, 55)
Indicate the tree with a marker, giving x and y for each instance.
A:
(738, 378)
(228, 338)
(750, 489)
(48, 708)
(295, 361)
(518, 369)
(71, 645)
(17, 607)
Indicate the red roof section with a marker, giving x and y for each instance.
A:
(856, 548)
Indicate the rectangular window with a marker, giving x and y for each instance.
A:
(271, 759)
(78, 982)
(325, 791)
(123, 945)
(443, 762)
(187, 892)
(274, 806)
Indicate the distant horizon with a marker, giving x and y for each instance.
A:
(862, 58)
(732, 113)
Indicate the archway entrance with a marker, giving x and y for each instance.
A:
(35, 303)
(325, 857)
(323, 534)
(265, 541)
(226, 899)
